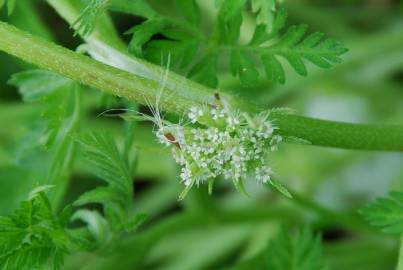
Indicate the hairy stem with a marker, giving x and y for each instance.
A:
(180, 94)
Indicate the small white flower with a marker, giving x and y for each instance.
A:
(194, 114)
(217, 113)
(212, 134)
(263, 174)
(186, 175)
(232, 121)
(231, 151)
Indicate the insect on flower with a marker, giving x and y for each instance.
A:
(227, 143)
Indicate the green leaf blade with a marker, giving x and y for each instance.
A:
(303, 251)
(386, 213)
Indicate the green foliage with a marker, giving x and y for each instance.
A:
(265, 10)
(302, 251)
(106, 162)
(296, 251)
(85, 23)
(34, 236)
(386, 213)
(61, 101)
(197, 54)
(37, 85)
(10, 5)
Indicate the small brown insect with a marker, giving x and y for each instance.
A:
(171, 138)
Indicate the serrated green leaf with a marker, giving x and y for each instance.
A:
(297, 63)
(102, 195)
(142, 34)
(230, 20)
(61, 102)
(180, 52)
(260, 35)
(137, 8)
(302, 251)
(97, 225)
(265, 11)
(293, 36)
(243, 66)
(190, 10)
(35, 85)
(295, 48)
(273, 68)
(230, 9)
(33, 236)
(386, 213)
(205, 71)
(186, 44)
(106, 161)
(37, 191)
(85, 23)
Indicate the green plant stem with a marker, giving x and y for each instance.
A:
(179, 99)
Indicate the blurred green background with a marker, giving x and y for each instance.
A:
(227, 229)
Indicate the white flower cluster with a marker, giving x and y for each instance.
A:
(233, 145)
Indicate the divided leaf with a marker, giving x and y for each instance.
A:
(37, 85)
(106, 162)
(139, 8)
(295, 47)
(230, 20)
(85, 23)
(265, 11)
(205, 71)
(142, 34)
(386, 213)
(190, 10)
(302, 251)
(200, 52)
(243, 66)
(62, 106)
(33, 236)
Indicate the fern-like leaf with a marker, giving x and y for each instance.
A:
(61, 102)
(197, 54)
(106, 161)
(33, 237)
(265, 10)
(302, 251)
(386, 213)
(85, 23)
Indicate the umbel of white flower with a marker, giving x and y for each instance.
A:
(230, 144)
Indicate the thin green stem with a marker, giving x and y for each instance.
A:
(180, 94)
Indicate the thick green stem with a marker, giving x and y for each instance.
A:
(180, 94)
(93, 73)
(342, 135)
